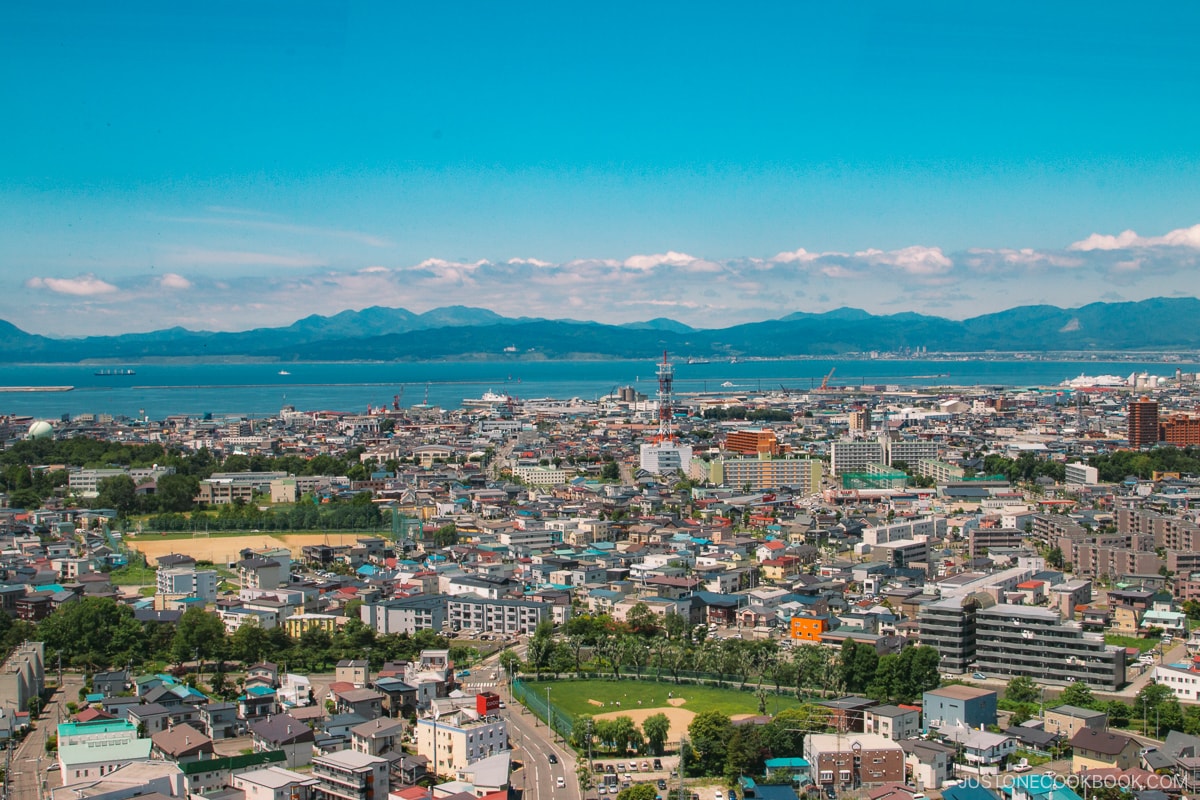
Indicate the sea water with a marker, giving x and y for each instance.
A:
(262, 389)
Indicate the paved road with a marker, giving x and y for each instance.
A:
(532, 744)
(30, 779)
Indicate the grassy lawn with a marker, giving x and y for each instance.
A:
(133, 575)
(572, 696)
(1130, 641)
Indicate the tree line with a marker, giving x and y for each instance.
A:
(27, 481)
(98, 633)
(670, 646)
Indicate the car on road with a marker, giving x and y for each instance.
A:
(553, 758)
(559, 782)
(52, 767)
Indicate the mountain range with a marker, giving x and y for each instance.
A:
(459, 332)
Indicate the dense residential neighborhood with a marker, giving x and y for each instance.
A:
(873, 593)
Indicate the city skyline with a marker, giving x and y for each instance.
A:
(222, 167)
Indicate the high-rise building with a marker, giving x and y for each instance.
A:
(1143, 423)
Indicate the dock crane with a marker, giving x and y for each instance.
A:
(825, 380)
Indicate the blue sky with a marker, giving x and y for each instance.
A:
(231, 165)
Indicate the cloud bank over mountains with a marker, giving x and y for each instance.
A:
(213, 288)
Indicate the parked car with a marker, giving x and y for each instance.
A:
(979, 676)
(658, 763)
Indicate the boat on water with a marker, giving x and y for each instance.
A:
(728, 384)
(117, 372)
(489, 399)
(284, 372)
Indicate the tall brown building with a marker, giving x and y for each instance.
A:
(1143, 423)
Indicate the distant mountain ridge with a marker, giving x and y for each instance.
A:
(461, 332)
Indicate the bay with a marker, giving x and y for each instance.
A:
(259, 389)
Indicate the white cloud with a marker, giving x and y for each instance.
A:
(533, 262)
(1180, 237)
(440, 264)
(669, 258)
(800, 256)
(83, 286)
(1099, 241)
(172, 281)
(915, 260)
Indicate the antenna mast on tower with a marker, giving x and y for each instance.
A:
(666, 406)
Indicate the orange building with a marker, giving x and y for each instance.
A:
(809, 629)
(1180, 430)
(752, 442)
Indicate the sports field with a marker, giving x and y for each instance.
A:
(225, 549)
(606, 699)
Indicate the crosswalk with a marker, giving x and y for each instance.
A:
(479, 685)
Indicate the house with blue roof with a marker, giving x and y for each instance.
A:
(969, 790)
(1038, 787)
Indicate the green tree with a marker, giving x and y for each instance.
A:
(656, 727)
(96, 632)
(1022, 689)
(709, 733)
(1078, 694)
(118, 492)
(624, 735)
(27, 499)
(176, 493)
(639, 791)
(248, 643)
(744, 755)
(446, 536)
(198, 634)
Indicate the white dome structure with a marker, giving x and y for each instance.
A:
(40, 430)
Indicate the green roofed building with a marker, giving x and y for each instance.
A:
(216, 773)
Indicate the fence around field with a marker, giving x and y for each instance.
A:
(533, 697)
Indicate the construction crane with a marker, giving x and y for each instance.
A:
(825, 380)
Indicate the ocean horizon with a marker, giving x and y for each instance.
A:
(259, 389)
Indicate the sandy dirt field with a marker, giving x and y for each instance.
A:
(680, 718)
(224, 549)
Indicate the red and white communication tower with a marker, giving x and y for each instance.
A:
(666, 405)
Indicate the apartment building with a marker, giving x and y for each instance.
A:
(350, 775)
(948, 625)
(849, 762)
(921, 528)
(1036, 642)
(853, 456)
(1081, 475)
(454, 741)
(939, 472)
(406, 615)
(753, 442)
(893, 722)
(187, 582)
(23, 675)
(485, 615)
(767, 473)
